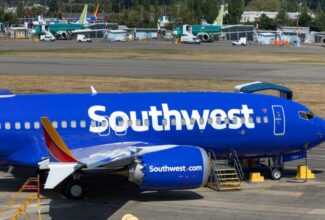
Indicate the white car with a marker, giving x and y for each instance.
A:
(241, 42)
(83, 38)
(47, 38)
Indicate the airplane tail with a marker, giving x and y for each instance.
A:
(62, 161)
(96, 14)
(219, 19)
(83, 16)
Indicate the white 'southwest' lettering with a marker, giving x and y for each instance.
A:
(182, 119)
(165, 168)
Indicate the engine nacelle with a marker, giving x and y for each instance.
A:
(182, 167)
(205, 37)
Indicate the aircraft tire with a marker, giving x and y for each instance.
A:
(74, 189)
(276, 174)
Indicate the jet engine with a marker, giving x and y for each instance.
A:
(205, 37)
(181, 167)
(63, 35)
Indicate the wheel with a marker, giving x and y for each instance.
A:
(276, 174)
(74, 189)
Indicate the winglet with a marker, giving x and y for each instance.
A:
(58, 150)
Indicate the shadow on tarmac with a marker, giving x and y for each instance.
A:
(106, 194)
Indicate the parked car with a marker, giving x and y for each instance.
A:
(83, 38)
(240, 42)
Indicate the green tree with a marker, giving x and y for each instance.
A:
(266, 23)
(264, 5)
(282, 17)
(10, 18)
(235, 10)
(304, 18)
(53, 8)
(2, 13)
(20, 9)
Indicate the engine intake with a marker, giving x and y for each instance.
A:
(182, 167)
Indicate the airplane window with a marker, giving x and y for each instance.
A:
(242, 120)
(164, 121)
(226, 121)
(82, 124)
(234, 120)
(36, 125)
(7, 126)
(73, 124)
(173, 122)
(201, 121)
(265, 119)
(130, 122)
(103, 123)
(146, 122)
(55, 124)
(93, 124)
(27, 125)
(218, 120)
(210, 121)
(192, 121)
(138, 122)
(258, 120)
(64, 124)
(17, 126)
(183, 122)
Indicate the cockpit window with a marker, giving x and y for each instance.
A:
(310, 115)
(307, 115)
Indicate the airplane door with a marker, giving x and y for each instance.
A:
(279, 120)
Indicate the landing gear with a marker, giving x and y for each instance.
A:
(73, 189)
(276, 174)
(276, 170)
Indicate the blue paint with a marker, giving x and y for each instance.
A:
(26, 146)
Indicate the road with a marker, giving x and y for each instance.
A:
(162, 69)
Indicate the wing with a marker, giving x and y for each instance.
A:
(63, 162)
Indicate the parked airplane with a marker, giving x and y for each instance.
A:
(93, 18)
(61, 29)
(205, 32)
(160, 138)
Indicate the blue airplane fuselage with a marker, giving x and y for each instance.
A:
(252, 124)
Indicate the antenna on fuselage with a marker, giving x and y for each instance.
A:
(93, 90)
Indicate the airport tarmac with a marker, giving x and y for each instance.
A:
(162, 69)
(111, 197)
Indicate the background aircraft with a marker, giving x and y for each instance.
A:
(160, 139)
(61, 29)
(205, 32)
(92, 18)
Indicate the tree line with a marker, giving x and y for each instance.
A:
(145, 13)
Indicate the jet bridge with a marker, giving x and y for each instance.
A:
(262, 86)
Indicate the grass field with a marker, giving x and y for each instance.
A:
(312, 95)
(246, 56)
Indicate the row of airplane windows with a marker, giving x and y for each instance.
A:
(83, 124)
